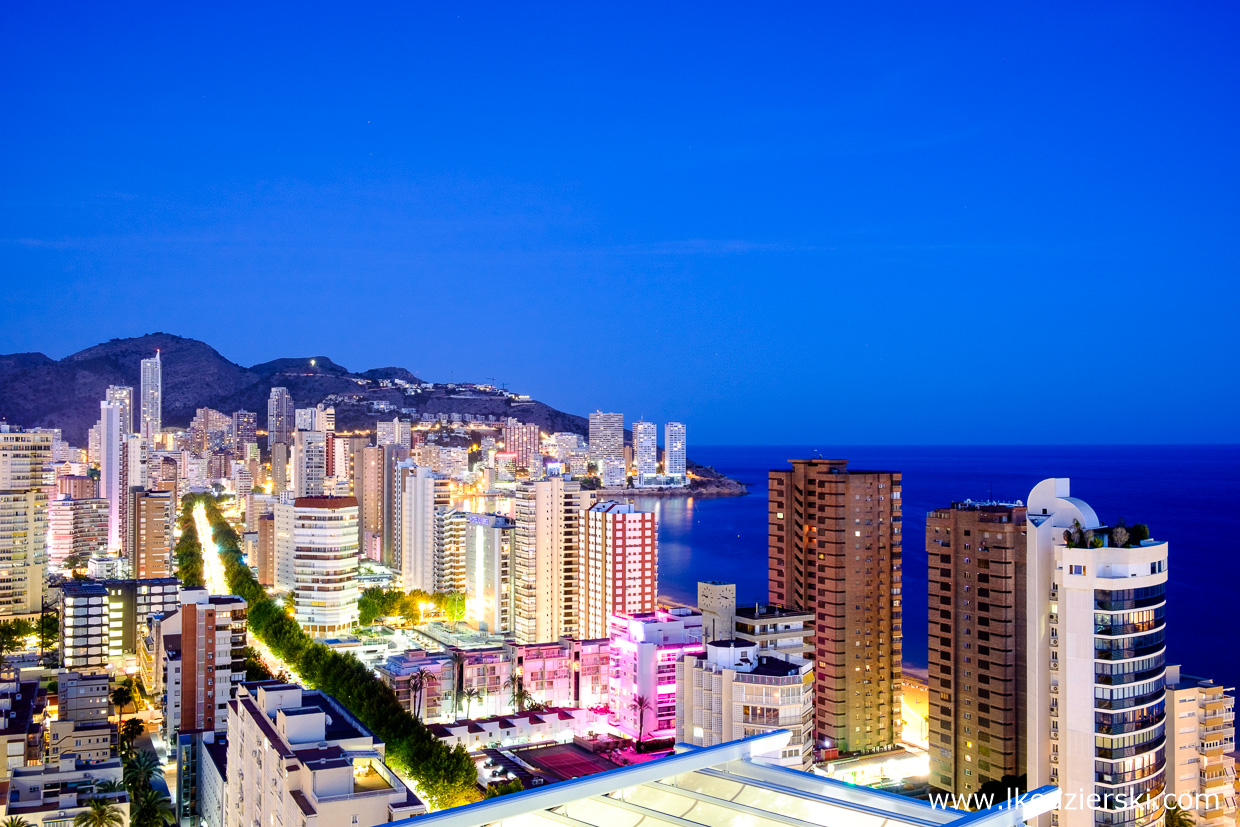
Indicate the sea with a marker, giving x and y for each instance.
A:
(1188, 495)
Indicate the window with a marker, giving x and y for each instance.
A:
(1076, 569)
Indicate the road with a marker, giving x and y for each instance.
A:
(217, 583)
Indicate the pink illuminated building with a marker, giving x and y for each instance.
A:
(644, 649)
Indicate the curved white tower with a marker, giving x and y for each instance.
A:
(1096, 675)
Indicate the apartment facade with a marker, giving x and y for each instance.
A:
(645, 649)
(317, 560)
(1201, 733)
(730, 691)
(977, 630)
(152, 389)
(607, 447)
(488, 572)
(619, 571)
(546, 558)
(835, 548)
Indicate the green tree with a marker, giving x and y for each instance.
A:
(48, 630)
(151, 808)
(110, 786)
(99, 813)
(256, 668)
(458, 678)
(15, 821)
(640, 705)
(496, 790)
(13, 634)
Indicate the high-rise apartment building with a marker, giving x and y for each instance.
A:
(488, 572)
(279, 468)
(266, 563)
(153, 515)
(524, 440)
(976, 556)
(296, 755)
(112, 474)
(244, 429)
(203, 661)
(281, 414)
(152, 388)
(1096, 676)
(835, 549)
(368, 488)
(646, 451)
(546, 558)
(1201, 733)
(424, 496)
(317, 560)
(397, 432)
(619, 571)
(24, 458)
(76, 528)
(675, 451)
(607, 447)
(732, 691)
(309, 463)
(122, 395)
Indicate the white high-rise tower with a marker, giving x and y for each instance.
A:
(674, 450)
(1096, 673)
(112, 476)
(152, 398)
(607, 446)
(646, 451)
(122, 395)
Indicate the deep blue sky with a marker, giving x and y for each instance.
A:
(850, 223)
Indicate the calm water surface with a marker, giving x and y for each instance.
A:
(1187, 494)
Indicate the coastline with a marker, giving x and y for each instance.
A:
(721, 487)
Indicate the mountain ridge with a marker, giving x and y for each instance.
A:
(38, 391)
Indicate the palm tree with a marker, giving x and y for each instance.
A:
(417, 685)
(109, 786)
(140, 769)
(471, 695)
(99, 813)
(523, 700)
(129, 732)
(519, 696)
(122, 696)
(458, 677)
(640, 705)
(1177, 817)
(15, 821)
(151, 808)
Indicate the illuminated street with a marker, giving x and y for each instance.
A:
(212, 565)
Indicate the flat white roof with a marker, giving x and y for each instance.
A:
(722, 786)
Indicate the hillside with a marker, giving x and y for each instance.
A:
(37, 391)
